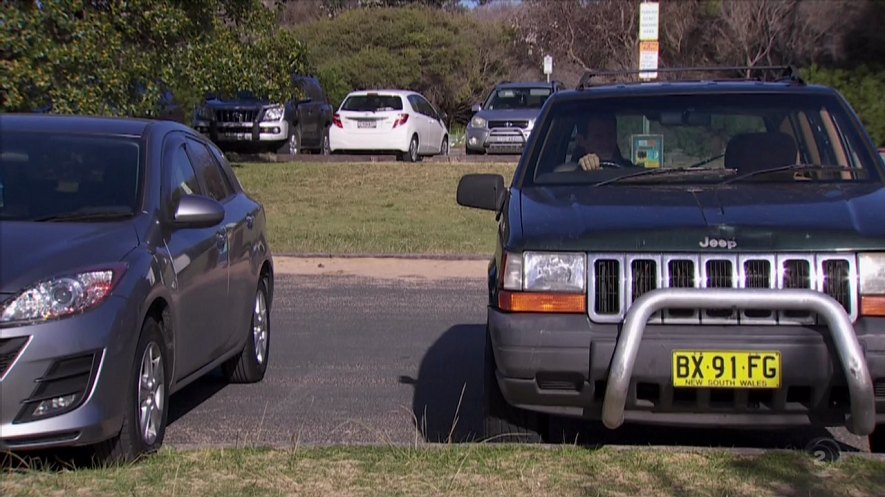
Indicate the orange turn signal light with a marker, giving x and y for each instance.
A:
(542, 302)
(872, 305)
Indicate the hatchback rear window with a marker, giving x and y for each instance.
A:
(373, 103)
(68, 176)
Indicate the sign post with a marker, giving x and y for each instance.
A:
(548, 66)
(648, 39)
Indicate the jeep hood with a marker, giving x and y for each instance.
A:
(652, 218)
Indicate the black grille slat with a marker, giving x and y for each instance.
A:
(645, 277)
(797, 274)
(681, 275)
(836, 282)
(607, 287)
(757, 274)
(236, 116)
(519, 124)
(719, 275)
(9, 349)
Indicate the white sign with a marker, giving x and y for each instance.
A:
(548, 64)
(648, 59)
(648, 21)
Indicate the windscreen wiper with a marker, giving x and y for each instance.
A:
(688, 171)
(87, 215)
(792, 168)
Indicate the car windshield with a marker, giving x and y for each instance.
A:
(373, 103)
(67, 177)
(518, 98)
(708, 138)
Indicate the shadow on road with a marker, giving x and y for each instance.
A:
(191, 396)
(447, 404)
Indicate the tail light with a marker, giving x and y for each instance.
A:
(401, 120)
(336, 120)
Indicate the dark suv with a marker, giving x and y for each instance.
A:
(728, 269)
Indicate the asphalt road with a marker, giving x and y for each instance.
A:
(367, 361)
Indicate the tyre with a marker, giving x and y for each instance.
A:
(146, 401)
(250, 364)
(412, 154)
(444, 147)
(501, 421)
(325, 149)
(292, 145)
(877, 440)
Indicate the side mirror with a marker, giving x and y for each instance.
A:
(482, 191)
(476, 108)
(197, 211)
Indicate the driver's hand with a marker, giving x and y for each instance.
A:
(589, 162)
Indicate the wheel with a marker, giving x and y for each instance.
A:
(444, 147)
(250, 364)
(824, 449)
(146, 401)
(325, 149)
(412, 154)
(501, 421)
(877, 440)
(292, 145)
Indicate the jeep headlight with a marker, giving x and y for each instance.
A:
(544, 282)
(274, 113)
(478, 122)
(554, 272)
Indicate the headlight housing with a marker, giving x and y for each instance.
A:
(546, 282)
(554, 272)
(871, 270)
(274, 113)
(62, 296)
(203, 113)
(478, 122)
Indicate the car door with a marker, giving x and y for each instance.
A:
(219, 188)
(421, 125)
(434, 127)
(200, 262)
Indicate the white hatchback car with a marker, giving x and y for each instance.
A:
(389, 121)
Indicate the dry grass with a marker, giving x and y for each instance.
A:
(461, 470)
(370, 208)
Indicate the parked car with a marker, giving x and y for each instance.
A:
(389, 121)
(298, 125)
(504, 122)
(882, 152)
(720, 263)
(132, 262)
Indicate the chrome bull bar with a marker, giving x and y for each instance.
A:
(862, 419)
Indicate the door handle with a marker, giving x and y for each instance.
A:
(221, 238)
(250, 221)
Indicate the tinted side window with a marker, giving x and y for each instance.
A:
(426, 107)
(182, 177)
(209, 171)
(225, 166)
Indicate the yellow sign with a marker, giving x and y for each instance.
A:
(726, 369)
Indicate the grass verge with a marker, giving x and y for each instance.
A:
(460, 471)
(379, 208)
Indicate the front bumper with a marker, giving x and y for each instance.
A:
(568, 365)
(108, 334)
(497, 140)
(229, 132)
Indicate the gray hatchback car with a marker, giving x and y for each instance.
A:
(131, 263)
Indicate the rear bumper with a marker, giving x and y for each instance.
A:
(390, 140)
(562, 364)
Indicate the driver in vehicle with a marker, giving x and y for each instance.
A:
(596, 144)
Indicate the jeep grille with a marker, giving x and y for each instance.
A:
(616, 280)
(236, 116)
(521, 124)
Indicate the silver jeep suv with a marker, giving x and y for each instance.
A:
(503, 123)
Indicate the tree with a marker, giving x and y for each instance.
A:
(445, 55)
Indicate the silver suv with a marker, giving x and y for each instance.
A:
(503, 123)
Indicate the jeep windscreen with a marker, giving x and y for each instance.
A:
(518, 98)
(373, 102)
(700, 139)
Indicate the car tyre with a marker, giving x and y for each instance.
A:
(250, 364)
(502, 422)
(877, 440)
(325, 148)
(444, 147)
(292, 145)
(412, 154)
(146, 401)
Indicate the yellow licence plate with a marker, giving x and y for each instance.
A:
(726, 369)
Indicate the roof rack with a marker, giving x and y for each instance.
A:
(787, 73)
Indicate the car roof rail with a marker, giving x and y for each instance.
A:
(787, 73)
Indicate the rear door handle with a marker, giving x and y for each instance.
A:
(221, 238)
(250, 221)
